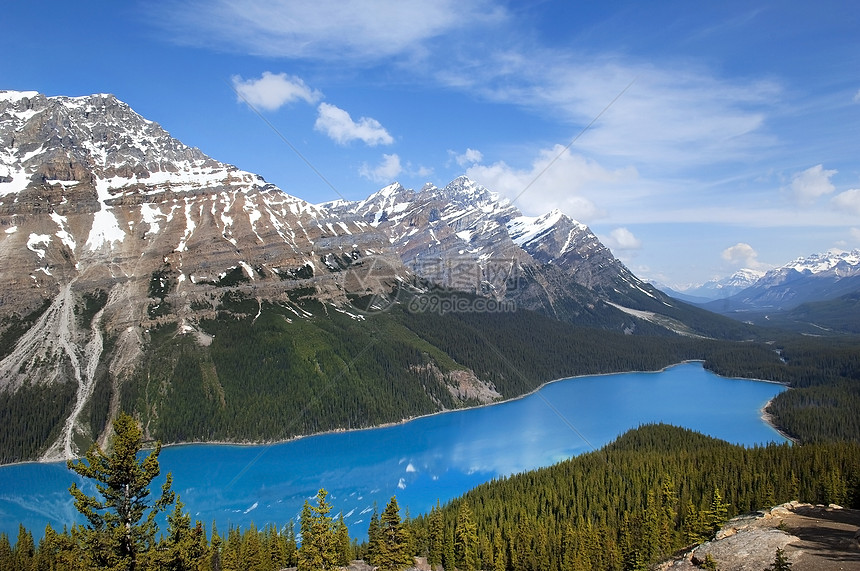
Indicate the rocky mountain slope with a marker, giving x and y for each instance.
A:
(103, 213)
(125, 251)
(466, 238)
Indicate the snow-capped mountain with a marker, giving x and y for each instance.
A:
(112, 230)
(833, 263)
(718, 288)
(452, 236)
(465, 237)
(816, 277)
(98, 203)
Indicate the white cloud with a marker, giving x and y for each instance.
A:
(323, 29)
(855, 234)
(621, 239)
(423, 172)
(672, 116)
(857, 96)
(337, 124)
(385, 172)
(555, 179)
(742, 255)
(808, 185)
(271, 91)
(470, 157)
(848, 200)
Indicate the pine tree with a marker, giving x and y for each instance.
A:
(717, 514)
(185, 548)
(25, 549)
(373, 536)
(344, 543)
(631, 547)
(466, 540)
(291, 548)
(651, 529)
(709, 564)
(435, 537)
(392, 542)
(215, 550)
(319, 550)
(46, 552)
(119, 531)
(448, 555)
(694, 528)
(668, 515)
(541, 551)
(7, 558)
(499, 552)
(780, 562)
(254, 557)
(59, 551)
(231, 555)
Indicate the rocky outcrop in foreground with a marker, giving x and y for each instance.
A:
(814, 538)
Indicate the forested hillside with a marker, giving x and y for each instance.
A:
(266, 371)
(654, 490)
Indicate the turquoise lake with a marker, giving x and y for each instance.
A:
(421, 461)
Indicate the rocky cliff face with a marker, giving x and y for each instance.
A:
(109, 224)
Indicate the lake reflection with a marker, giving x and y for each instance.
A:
(428, 459)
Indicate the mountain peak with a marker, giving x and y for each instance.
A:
(833, 260)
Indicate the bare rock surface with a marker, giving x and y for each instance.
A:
(814, 538)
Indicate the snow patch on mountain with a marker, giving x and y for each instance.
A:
(839, 262)
(527, 229)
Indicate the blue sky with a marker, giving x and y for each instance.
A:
(694, 138)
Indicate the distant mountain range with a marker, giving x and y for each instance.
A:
(717, 288)
(814, 293)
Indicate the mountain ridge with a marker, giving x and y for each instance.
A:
(129, 257)
(814, 278)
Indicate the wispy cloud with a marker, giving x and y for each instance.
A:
(323, 29)
(673, 116)
(385, 172)
(271, 91)
(807, 186)
(337, 124)
(538, 189)
(676, 115)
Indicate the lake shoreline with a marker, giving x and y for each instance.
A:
(768, 419)
(148, 445)
(431, 414)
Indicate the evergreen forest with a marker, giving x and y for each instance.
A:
(273, 371)
(656, 489)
